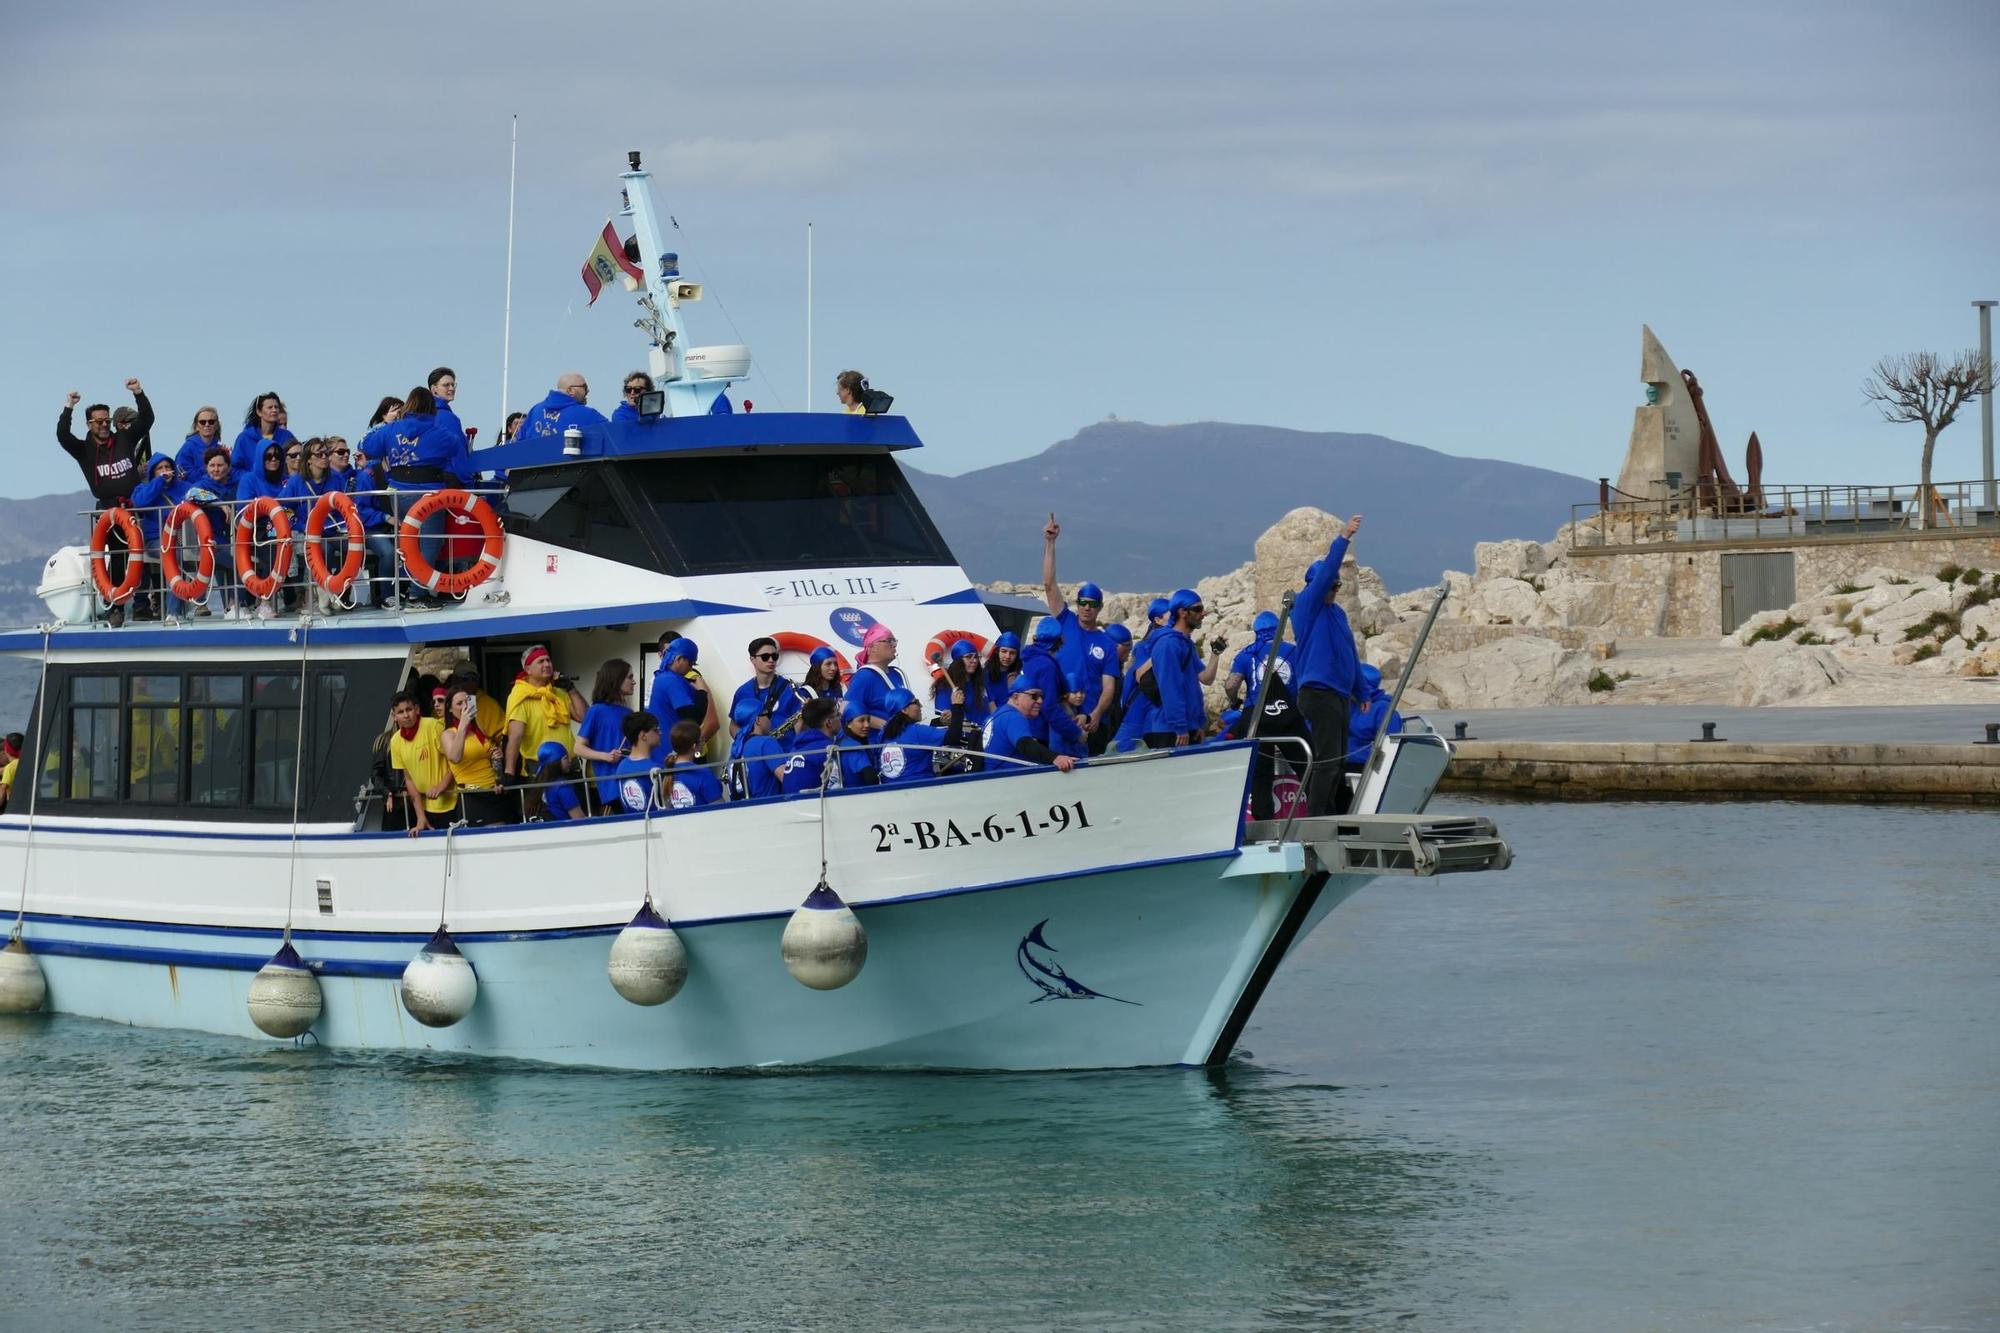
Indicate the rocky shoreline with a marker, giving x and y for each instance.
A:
(1526, 629)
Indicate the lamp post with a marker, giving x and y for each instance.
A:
(1986, 403)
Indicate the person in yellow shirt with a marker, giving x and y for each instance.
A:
(417, 749)
(471, 753)
(10, 765)
(492, 717)
(540, 708)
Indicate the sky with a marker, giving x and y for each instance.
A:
(1443, 223)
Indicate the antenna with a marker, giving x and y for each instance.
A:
(809, 316)
(507, 320)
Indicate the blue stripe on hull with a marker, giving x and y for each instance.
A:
(1165, 951)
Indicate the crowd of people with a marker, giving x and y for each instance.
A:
(413, 443)
(1080, 688)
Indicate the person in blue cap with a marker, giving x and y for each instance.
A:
(1247, 668)
(823, 674)
(1370, 719)
(858, 767)
(1182, 717)
(1010, 732)
(636, 786)
(1141, 698)
(675, 696)
(1052, 724)
(910, 750)
(755, 755)
(806, 767)
(960, 679)
(1121, 644)
(1003, 664)
(1088, 657)
(554, 798)
(1328, 672)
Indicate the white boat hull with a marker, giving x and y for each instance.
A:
(1130, 935)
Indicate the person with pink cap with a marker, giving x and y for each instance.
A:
(871, 682)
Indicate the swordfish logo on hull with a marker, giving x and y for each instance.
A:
(1048, 974)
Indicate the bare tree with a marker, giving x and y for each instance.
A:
(1919, 387)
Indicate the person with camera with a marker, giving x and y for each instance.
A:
(542, 707)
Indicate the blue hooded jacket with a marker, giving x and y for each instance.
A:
(1326, 656)
(423, 442)
(1177, 670)
(802, 771)
(251, 484)
(1040, 670)
(557, 413)
(188, 464)
(358, 482)
(153, 495)
(301, 494)
(249, 447)
(1367, 718)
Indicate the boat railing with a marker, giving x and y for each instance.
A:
(384, 570)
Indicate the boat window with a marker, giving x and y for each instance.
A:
(94, 738)
(215, 740)
(274, 738)
(727, 513)
(577, 508)
(154, 777)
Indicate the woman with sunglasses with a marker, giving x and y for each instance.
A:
(266, 479)
(190, 464)
(636, 383)
(301, 492)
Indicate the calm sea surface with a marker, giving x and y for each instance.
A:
(1682, 1067)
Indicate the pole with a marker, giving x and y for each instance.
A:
(1986, 403)
(507, 321)
(809, 316)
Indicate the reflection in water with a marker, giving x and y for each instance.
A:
(242, 1180)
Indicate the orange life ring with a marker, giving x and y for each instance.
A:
(263, 585)
(938, 650)
(100, 561)
(187, 589)
(336, 581)
(790, 641)
(421, 571)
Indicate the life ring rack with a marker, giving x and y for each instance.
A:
(335, 581)
(428, 576)
(188, 589)
(100, 557)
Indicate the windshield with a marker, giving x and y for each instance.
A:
(762, 511)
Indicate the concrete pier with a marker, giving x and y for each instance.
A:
(1627, 770)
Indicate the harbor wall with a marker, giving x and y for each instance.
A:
(1625, 770)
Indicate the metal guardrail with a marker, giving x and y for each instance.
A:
(1817, 512)
(1419, 845)
(293, 594)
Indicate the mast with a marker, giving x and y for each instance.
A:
(507, 321)
(661, 303)
(809, 316)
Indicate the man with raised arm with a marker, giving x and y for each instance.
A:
(1328, 672)
(1088, 657)
(112, 460)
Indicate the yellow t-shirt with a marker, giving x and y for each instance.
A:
(422, 760)
(475, 770)
(491, 717)
(7, 774)
(543, 712)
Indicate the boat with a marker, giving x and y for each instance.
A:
(196, 845)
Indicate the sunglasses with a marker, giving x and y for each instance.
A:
(1086, 602)
(341, 452)
(634, 390)
(1031, 694)
(206, 421)
(764, 657)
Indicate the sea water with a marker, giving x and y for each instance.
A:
(1730, 1066)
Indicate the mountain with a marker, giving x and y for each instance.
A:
(1152, 507)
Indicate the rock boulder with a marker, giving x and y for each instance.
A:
(1518, 672)
(1775, 672)
(1510, 559)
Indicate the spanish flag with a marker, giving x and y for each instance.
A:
(607, 261)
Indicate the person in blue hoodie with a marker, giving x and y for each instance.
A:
(161, 490)
(1328, 675)
(366, 481)
(1247, 668)
(568, 404)
(1137, 687)
(1370, 719)
(190, 462)
(261, 429)
(858, 766)
(627, 411)
(1182, 717)
(424, 452)
(807, 767)
(962, 661)
(1003, 665)
(1010, 732)
(755, 755)
(1053, 725)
